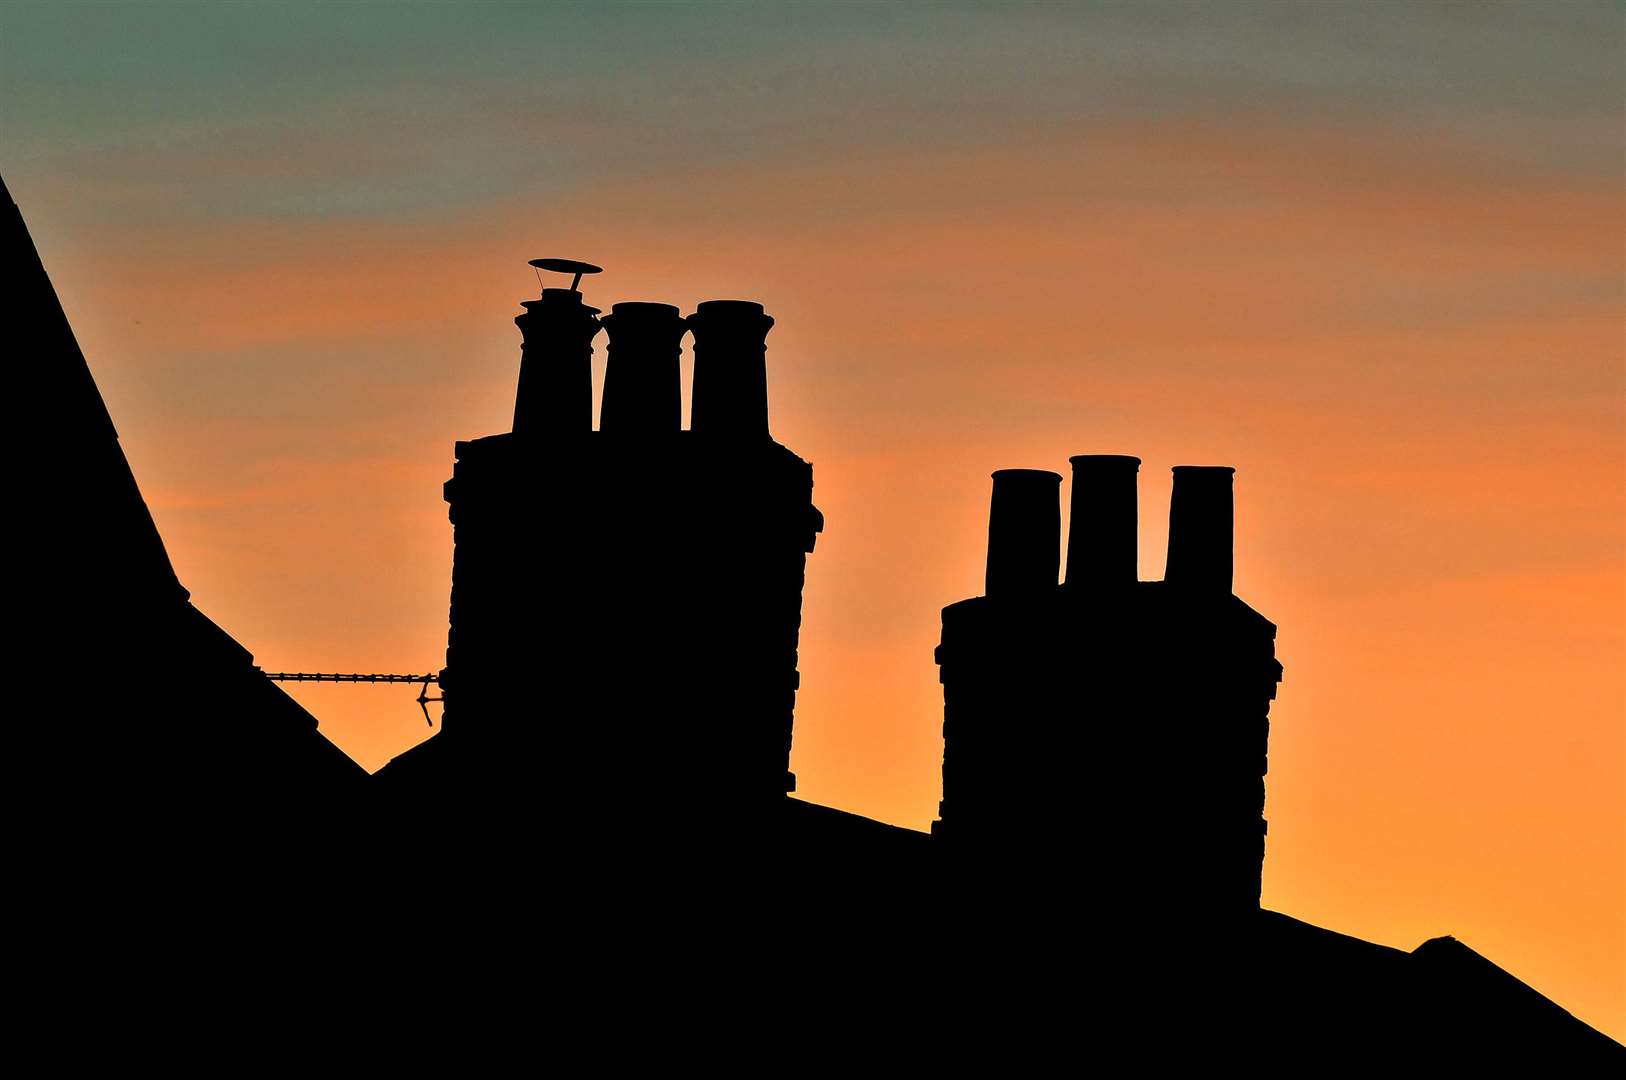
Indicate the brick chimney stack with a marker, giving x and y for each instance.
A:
(1105, 740)
(626, 603)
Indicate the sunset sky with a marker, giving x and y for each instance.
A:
(1372, 256)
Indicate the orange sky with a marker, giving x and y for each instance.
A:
(1408, 338)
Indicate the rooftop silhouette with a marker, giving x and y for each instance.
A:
(104, 609)
(612, 766)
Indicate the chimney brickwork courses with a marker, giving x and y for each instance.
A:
(1109, 729)
(626, 602)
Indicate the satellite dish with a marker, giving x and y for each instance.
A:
(568, 266)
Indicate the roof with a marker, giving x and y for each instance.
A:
(153, 704)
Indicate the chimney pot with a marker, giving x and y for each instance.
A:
(1201, 515)
(1024, 532)
(642, 384)
(1102, 537)
(555, 395)
(730, 368)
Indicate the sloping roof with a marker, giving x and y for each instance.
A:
(135, 698)
(1333, 998)
(73, 445)
(1471, 995)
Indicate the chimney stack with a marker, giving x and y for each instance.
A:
(1024, 532)
(1102, 538)
(730, 369)
(1200, 527)
(642, 384)
(555, 394)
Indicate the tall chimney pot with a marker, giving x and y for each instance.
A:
(1024, 532)
(1201, 516)
(730, 369)
(1102, 536)
(642, 383)
(555, 395)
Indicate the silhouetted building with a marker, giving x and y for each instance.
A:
(146, 729)
(1123, 720)
(626, 602)
(1105, 748)
(607, 802)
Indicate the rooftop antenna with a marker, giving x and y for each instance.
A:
(566, 266)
